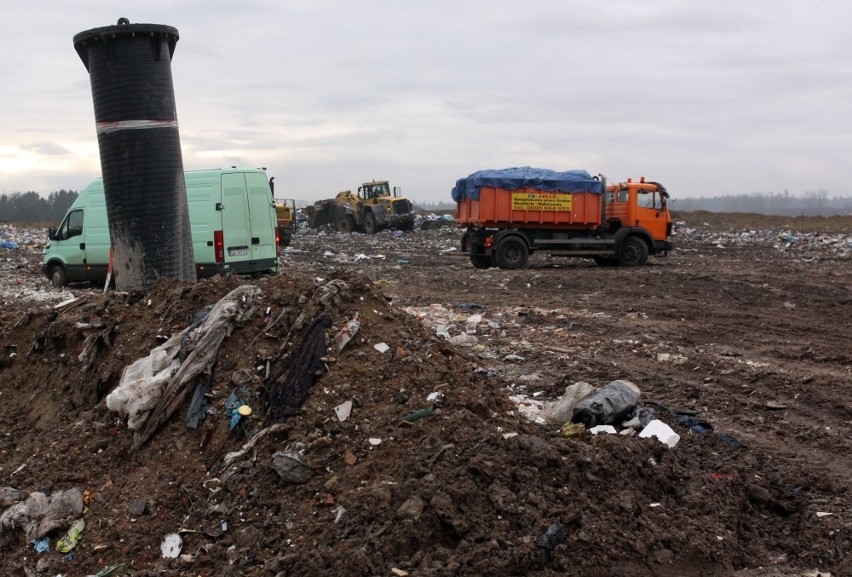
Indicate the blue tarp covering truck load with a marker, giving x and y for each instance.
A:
(525, 177)
(512, 213)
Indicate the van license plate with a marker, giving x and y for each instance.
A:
(238, 251)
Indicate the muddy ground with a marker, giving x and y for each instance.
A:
(744, 328)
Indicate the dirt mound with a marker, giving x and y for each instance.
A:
(468, 486)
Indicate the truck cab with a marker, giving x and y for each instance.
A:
(641, 205)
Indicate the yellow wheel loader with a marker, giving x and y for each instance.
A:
(374, 208)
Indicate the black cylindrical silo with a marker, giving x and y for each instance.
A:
(130, 72)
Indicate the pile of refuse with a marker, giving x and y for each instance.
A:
(804, 245)
(12, 237)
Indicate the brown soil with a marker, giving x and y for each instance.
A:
(750, 339)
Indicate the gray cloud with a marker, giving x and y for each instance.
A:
(328, 93)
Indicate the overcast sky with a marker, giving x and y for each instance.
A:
(708, 98)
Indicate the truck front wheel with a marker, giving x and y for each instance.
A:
(57, 276)
(346, 224)
(370, 224)
(511, 253)
(632, 252)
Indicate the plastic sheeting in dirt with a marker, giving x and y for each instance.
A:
(153, 387)
(40, 514)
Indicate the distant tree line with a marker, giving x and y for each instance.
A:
(816, 203)
(440, 206)
(32, 207)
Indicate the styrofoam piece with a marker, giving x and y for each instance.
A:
(661, 431)
(381, 347)
(603, 429)
(171, 546)
(343, 411)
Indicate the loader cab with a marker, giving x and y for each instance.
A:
(374, 189)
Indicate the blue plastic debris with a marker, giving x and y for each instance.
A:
(41, 545)
(235, 400)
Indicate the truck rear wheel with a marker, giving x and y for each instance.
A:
(57, 276)
(511, 253)
(346, 224)
(632, 252)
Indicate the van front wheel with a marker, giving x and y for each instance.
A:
(57, 276)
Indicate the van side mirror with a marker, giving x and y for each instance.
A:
(51, 233)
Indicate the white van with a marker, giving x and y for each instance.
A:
(231, 214)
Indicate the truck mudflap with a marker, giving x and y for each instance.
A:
(663, 247)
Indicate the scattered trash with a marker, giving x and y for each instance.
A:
(436, 398)
(344, 335)
(109, 570)
(671, 358)
(41, 545)
(236, 401)
(244, 410)
(290, 467)
(171, 546)
(232, 456)
(464, 340)
(375, 441)
(734, 442)
(548, 541)
(287, 388)
(343, 411)
(152, 388)
(562, 409)
(399, 572)
(822, 514)
(417, 415)
(572, 430)
(661, 431)
(40, 514)
(639, 420)
(598, 429)
(607, 406)
(72, 537)
(381, 347)
(693, 424)
(197, 411)
(9, 496)
(339, 514)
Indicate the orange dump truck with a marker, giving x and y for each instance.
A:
(509, 214)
